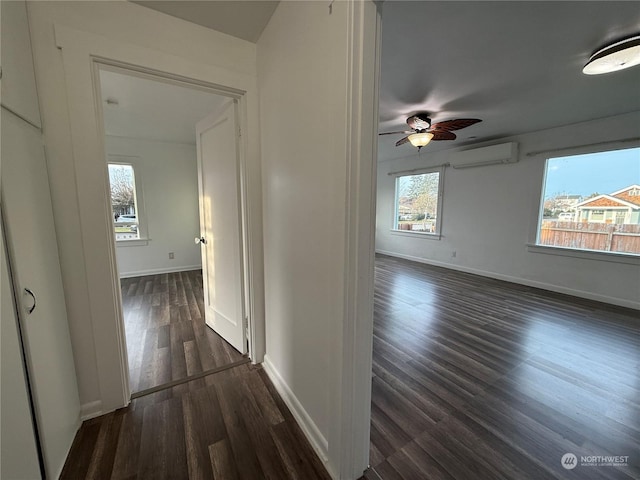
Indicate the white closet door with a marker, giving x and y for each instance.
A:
(33, 252)
(18, 452)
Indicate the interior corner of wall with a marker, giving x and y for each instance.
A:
(91, 410)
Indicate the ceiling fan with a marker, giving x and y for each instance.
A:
(422, 131)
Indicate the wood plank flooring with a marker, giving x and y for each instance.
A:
(167, 338)
(226, 426)
(476, 379)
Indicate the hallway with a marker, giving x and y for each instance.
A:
(230, 425)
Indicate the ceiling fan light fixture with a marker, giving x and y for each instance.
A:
(614, 57)
(420, 139)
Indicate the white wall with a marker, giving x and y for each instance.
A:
(307, 92)
(65, 37)
(490, 215)
(168, 175)
(303, 225)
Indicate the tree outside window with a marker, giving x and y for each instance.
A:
(123, 201)
(417, 202)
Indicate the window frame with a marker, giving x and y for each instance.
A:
(535, 246)
(143, 232)
(438, 227)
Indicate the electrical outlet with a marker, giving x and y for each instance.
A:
(171, 256)
(453, 254)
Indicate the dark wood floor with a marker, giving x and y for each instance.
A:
(226, 426)
(476, 379)
(167, 338)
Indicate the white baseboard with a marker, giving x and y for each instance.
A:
(621, 302)
(91, 410)
(311, 431)
(156, 271)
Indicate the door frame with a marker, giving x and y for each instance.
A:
(234, 95)
(83, 54)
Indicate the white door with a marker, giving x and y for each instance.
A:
(19, 451)
(221, 225)
(33, 250)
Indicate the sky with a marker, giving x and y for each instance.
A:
(604, 172)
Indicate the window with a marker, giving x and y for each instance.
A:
(417, 202)
(597, 215)
(590, 202)
(125, 202)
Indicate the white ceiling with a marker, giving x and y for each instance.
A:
(153, 110)
(244, 19)
(515, 65)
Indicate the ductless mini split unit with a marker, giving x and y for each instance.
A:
(479, 157)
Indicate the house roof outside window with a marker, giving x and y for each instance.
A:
(627, 197)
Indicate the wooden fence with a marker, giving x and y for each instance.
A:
(420, 226)
(606, 237)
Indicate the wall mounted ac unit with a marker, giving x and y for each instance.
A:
(492, 155)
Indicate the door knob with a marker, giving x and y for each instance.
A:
(201, 240)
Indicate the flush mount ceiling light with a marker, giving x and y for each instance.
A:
(614, 57)
(420, 139)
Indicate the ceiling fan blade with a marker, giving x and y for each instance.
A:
(456, 124)
(443, 135)
(402, 141)
(395, 133)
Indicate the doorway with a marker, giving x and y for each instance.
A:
(151, 150)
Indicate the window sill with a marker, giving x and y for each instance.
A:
(140, 242)
(408, 233)
(626, 258)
